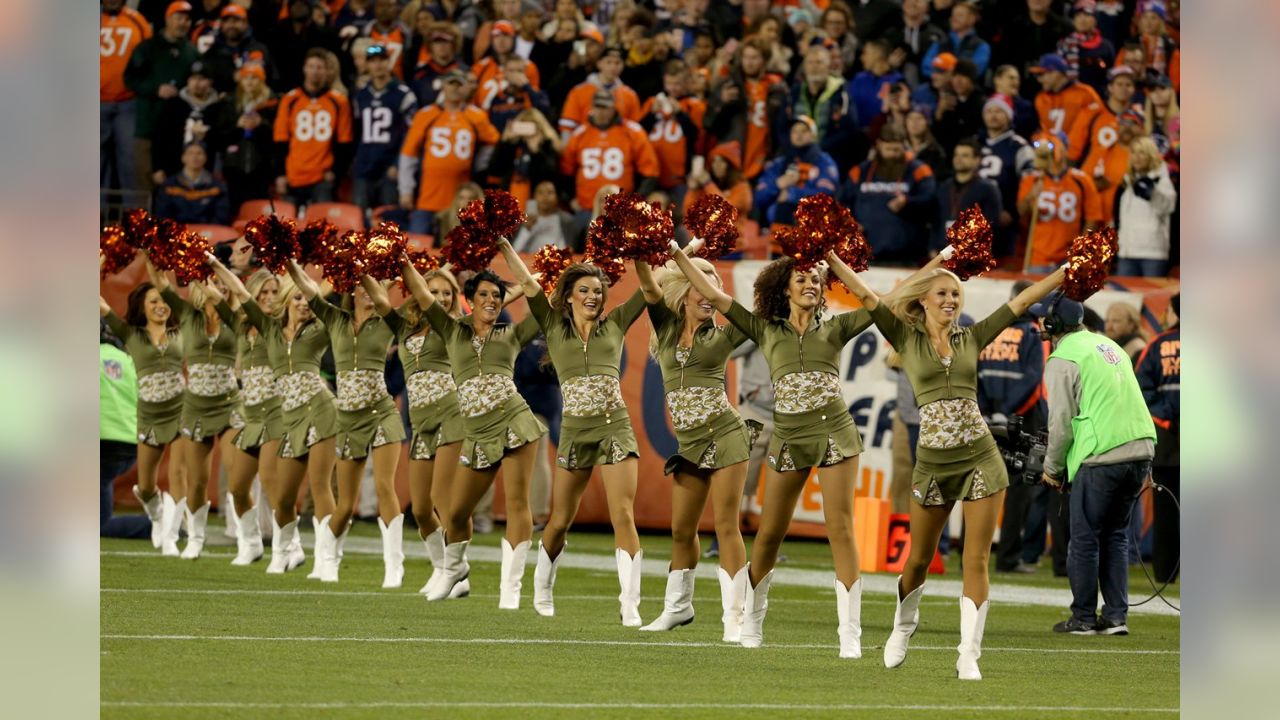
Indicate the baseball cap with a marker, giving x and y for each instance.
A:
(376, 50)
(456, 74)
(807, 122)
(1001, 101)
(1064, 308)
(177, 6)
(233, 10)
(1134, 116)
(1119, 70)
(603, 99)
(1050, 62)
(443, 36)
(944, 61)
(503, 27)
(592, 34)
(1159, 81)
(254, 69)
(200, 68)
(615, 50)
(1084, 6)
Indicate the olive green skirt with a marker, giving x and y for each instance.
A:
(489, 436)
(308, 424)
(439, 423)
(586, 442)
(159, 423)
(722, 441)
(967, 472)
(360, 431)
(817, 438)
(205, 418)
(263, 423)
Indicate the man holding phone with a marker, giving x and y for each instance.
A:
(581, 99)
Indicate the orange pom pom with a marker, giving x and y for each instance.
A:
(715, 220)
(1088, 262)
(970, 238)
(551, 262)
(116, 252)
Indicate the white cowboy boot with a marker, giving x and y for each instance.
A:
(434, 543)
(544, 579)
(280, 547)
(905, 619)
(315, 552)
(629, 582)
(456, 571)
(733, 591)
(175, 511)
(677, 604)
(512, 578)
(197, 523)
(155, 513)
(232, 527)
(248, 537)
(754, 607)
(392, 552)
(849, 612)
(332, 561)
(973, 622)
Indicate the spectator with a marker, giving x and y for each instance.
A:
(235, 46)
(769, 30)
(248, 162)
(959, 113)
(442, 142)
(386, 29)
(354, 18)
(964, 190)
(193, 195)
(1064, 200)
(1006, 157)
(507, 11)
(581, 100)
(874, 18)
(489, 72)
(156, 68)
(1147, 199)
(467, 15)
(674, 120)
(1162, 120)
(1007, 82)
(295, 37)
(645, 58)
(433, 55)
(117, 432)
(582, 54)
(922, 145)
(1159, 373)
(725, 179)
(801, 170)
(333, 72)
(529, 44)
(869, 89)
(892, 196)
(837, 23)
(744, 105)
(195, 114)
(607, 150)
(517, 94)
(447, 219)
(930, 94)
(564, 13)
(1087, 53)
(528, 154)
(547, 224)
(121, 30)
(1124, 326)
(1062, 99)
(962, 41)
(821, 97)
(1158, 49)
(894, 113)
(912, 37)
(1030, 36)
(1103, 142)
(313, 135)
(385, 107)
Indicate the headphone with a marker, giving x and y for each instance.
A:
(1052, 323)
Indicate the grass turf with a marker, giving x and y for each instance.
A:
(204, 639)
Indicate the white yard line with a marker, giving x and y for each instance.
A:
(440, 704)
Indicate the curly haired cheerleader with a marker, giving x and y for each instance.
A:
(296, 341)
(714, 443)
(501, 431)
(956, 457)
(150, 334)
(433, 411)
(585, 347)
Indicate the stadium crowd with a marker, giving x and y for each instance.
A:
(1051, 116)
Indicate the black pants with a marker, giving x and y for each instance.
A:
(114, 459)
(1167, 524)
(1060, 526)
(1017, 499)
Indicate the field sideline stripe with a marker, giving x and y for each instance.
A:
(637, 706)
(564, 641)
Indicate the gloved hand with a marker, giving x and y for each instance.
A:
(1143, 187)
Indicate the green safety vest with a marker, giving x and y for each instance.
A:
(117, 396)
(1112, 411)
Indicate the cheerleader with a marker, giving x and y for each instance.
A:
(956, 456)
(368, 423)
(500, 430)
(433, 411)
(296, 341)
(255, 446)
(714, 443)
(813, 428)
(212, 397)
(585, 346)
(150, 334)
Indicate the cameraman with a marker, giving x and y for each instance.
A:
(1101, 441)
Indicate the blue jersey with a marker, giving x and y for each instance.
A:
(382, 119)
(1005, 158)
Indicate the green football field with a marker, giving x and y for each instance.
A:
(202, 639)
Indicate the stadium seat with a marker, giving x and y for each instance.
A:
(344, 216)
(251, 209)
(753, 245)
(215, 233)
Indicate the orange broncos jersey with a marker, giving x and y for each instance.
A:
(489, 80)
(396, 40)
(756, 147)
(1098, 130)
(445, 141)
(311, 126)
(614, 156)
(669, 142)
(1058, 111)
(118, 35)
(1065, 206)
(578, 104)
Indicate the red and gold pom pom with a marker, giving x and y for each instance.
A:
(384, 246)
(469, 247)
(190, 259)
(854, 250)
(715, 220)
(499, 212)
(342, 260)
(116, 252)
(315, 235)
(644, 231)
(162, 243)
(275, 241)
(970, 237)
(604, 238)
(551, 261)
(1087, 263)
(822, 225)
(138, 226)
